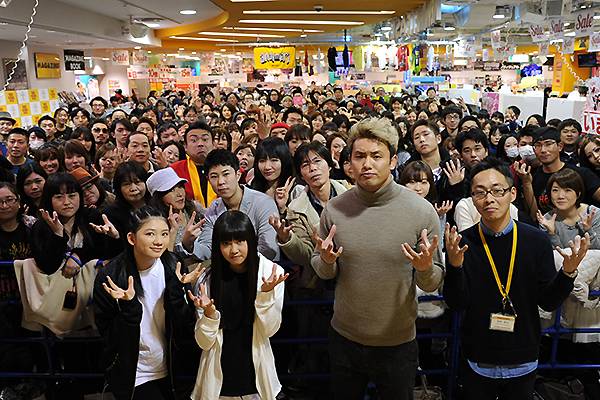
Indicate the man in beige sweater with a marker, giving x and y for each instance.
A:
(379, 240)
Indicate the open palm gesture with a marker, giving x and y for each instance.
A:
(273, 280)
(579, 247)
(53, 222)
(456, 253)
(204, 302)
(116, 292)
(107, 229)
(423, 260)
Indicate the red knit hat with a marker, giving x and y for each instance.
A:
(280, 125)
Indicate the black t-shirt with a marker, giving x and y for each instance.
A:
(14, 245)
(540, 179)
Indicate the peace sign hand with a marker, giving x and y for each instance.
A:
(444, 207)
(456, 254)
(548, 224)
(328, 255)
(422, 261)
(587, 220)
(282, 228)
(191, 277)
(53, 222)
(116, 292)
(191, 232)
(273, 280)
(282, 194)
(107, 229)
(454, 171)
(204, 302)
(579, 247)
(524, 171)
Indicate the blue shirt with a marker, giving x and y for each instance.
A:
(502, 371)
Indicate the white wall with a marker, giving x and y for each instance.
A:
(67, 78)
(113, 73)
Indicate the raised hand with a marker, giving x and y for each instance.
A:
(587, 219)
(443, 208)
(454, 171)
(160, 157)
(53, 222)
(282, 194)
(174, 219)
(548, 224)
(273, 280)
(263, 126)
(326, 247)
(236, 139)
(281, 227)
(423, 260)
(456, 253)
(579, 247)
(116, 292)
(191, 232)
(204, 302)
(107, 229)
(190, 278)
(524, 171)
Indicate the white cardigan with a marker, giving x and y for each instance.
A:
(266, 323)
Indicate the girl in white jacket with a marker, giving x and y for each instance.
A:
(239, 301)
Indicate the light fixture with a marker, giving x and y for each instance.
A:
(303, 35)
(137, 47)
(187, 12)
(449, 28)
(105, 58)
(583, 7)
(500, 13)
(152, 24)
(87, 58)
(313, 12)
(239, 53)
(202, 38)
(181, 49)
(299, 22)
(570, 34)
(272, 29)
(193, 53)
(240, 34)
(223, 49)
(596, 16)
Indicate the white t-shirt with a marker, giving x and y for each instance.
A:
(152, 361)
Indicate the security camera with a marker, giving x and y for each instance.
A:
(318, 8)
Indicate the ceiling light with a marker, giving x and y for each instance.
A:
(303, 35)
(152, 24)
(583, 6)
(239, 53)
(223, 49)
(501, 12)
(596, 16)
(3, 23)
(201, 38)
(570, 34)
(149, 52)
(187, 12)
(272, 29)
(181, 49)
(449, 28)
(105, 58)
(137, 47)
(193, 52)
(312, 12)
(299, 22)
(87, 58)
(239, 34)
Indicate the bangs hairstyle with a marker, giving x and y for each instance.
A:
(272, 147)
(583, 158)
(74, 147)
(414, 172)
(567, 178)
(60, 183)
(380, 129)
(298, 132)
(12, 188)
(233, 225)
(128, 172)
(303, 151)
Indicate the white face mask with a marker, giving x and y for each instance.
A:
(36, 144)
(512, 152)
(526, 152)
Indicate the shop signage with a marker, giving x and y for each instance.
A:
(568, 45)
(139, 58)
(120, 57)
(556, 28)
(591, 111)
(274, 57)
(496, 39)
(584, 22)
(594, 42)
(537, 33)
(74, 60)
(47, 65)
(137, 72)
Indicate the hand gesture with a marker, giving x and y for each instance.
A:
(524, 171)
(423, 260)
(236, 140)
(282, 194)
(548, 224)
(444, 207)
(191, 232)
(190, 278)
(160, 158)
(53, 222)
(454, 171)
(273, 280)
(107, 229)
(587, 220)
(204, 302)
(579, 247)
(121, 156)
(263, 126)
(174, 219)
(281, 227)
(456, 254)
(116, 292)
(328, 255)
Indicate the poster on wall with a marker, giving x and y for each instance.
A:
(47, 65)
(90, 83)
(538, 33)
(74, 60)
(120, 57)
(19, 78)
(113, 84)
(274, 57)
(591, 110)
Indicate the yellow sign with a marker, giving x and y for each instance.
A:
(47, 66)
(33, 95)
(11, 97)
(274, 57)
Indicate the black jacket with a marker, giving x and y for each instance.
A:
(119, 325)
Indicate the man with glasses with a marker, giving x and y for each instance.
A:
(498, 272)
(99, 106)
(570, 130)
(100, 132)
(451, 117)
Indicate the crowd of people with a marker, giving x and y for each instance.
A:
(194, 210)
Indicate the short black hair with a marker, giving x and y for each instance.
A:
(124, 122)
(451, 110)
(497, 115)
(302, 151)
(147, 121)
(424, 122)
(292, 110)
(515, 110)
(165, 127)
(101, 99)
(18, 131)
(569, 122)
(46, 118)
(495, 164)
(467, 118)
(473, 134)
(221, 157)
(298, 131)
(198, 125)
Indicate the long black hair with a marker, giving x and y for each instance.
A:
(22, 175)
(233, 225)
(272, 147)
(129, 171)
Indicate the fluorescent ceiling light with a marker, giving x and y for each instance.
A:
(449, 28)
(105, 58)
(272, 29)
(200, 38)
(137, 47)
(498, 16)
(152, 24)
(187, 12)
(303, 35)
(181, 49)
(239, 34)
(386, 28)
(312, 12)
(596, 16)
(87, 58)
(299, 22)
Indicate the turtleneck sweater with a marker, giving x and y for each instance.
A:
(375, 301)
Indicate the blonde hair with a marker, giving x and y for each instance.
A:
(380, 129)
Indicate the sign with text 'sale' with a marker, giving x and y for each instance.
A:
(120, 57)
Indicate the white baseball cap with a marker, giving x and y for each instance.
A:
(163, 180)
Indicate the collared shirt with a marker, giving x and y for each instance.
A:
(502, 371)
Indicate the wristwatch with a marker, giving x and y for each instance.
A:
(571, 274)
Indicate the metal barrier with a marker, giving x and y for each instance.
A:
(48, 342)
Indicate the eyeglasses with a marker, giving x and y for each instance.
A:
(9, 201)
(98, 130)
(540, 145)
(496, 192)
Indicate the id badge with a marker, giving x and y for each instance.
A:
(502, 322)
